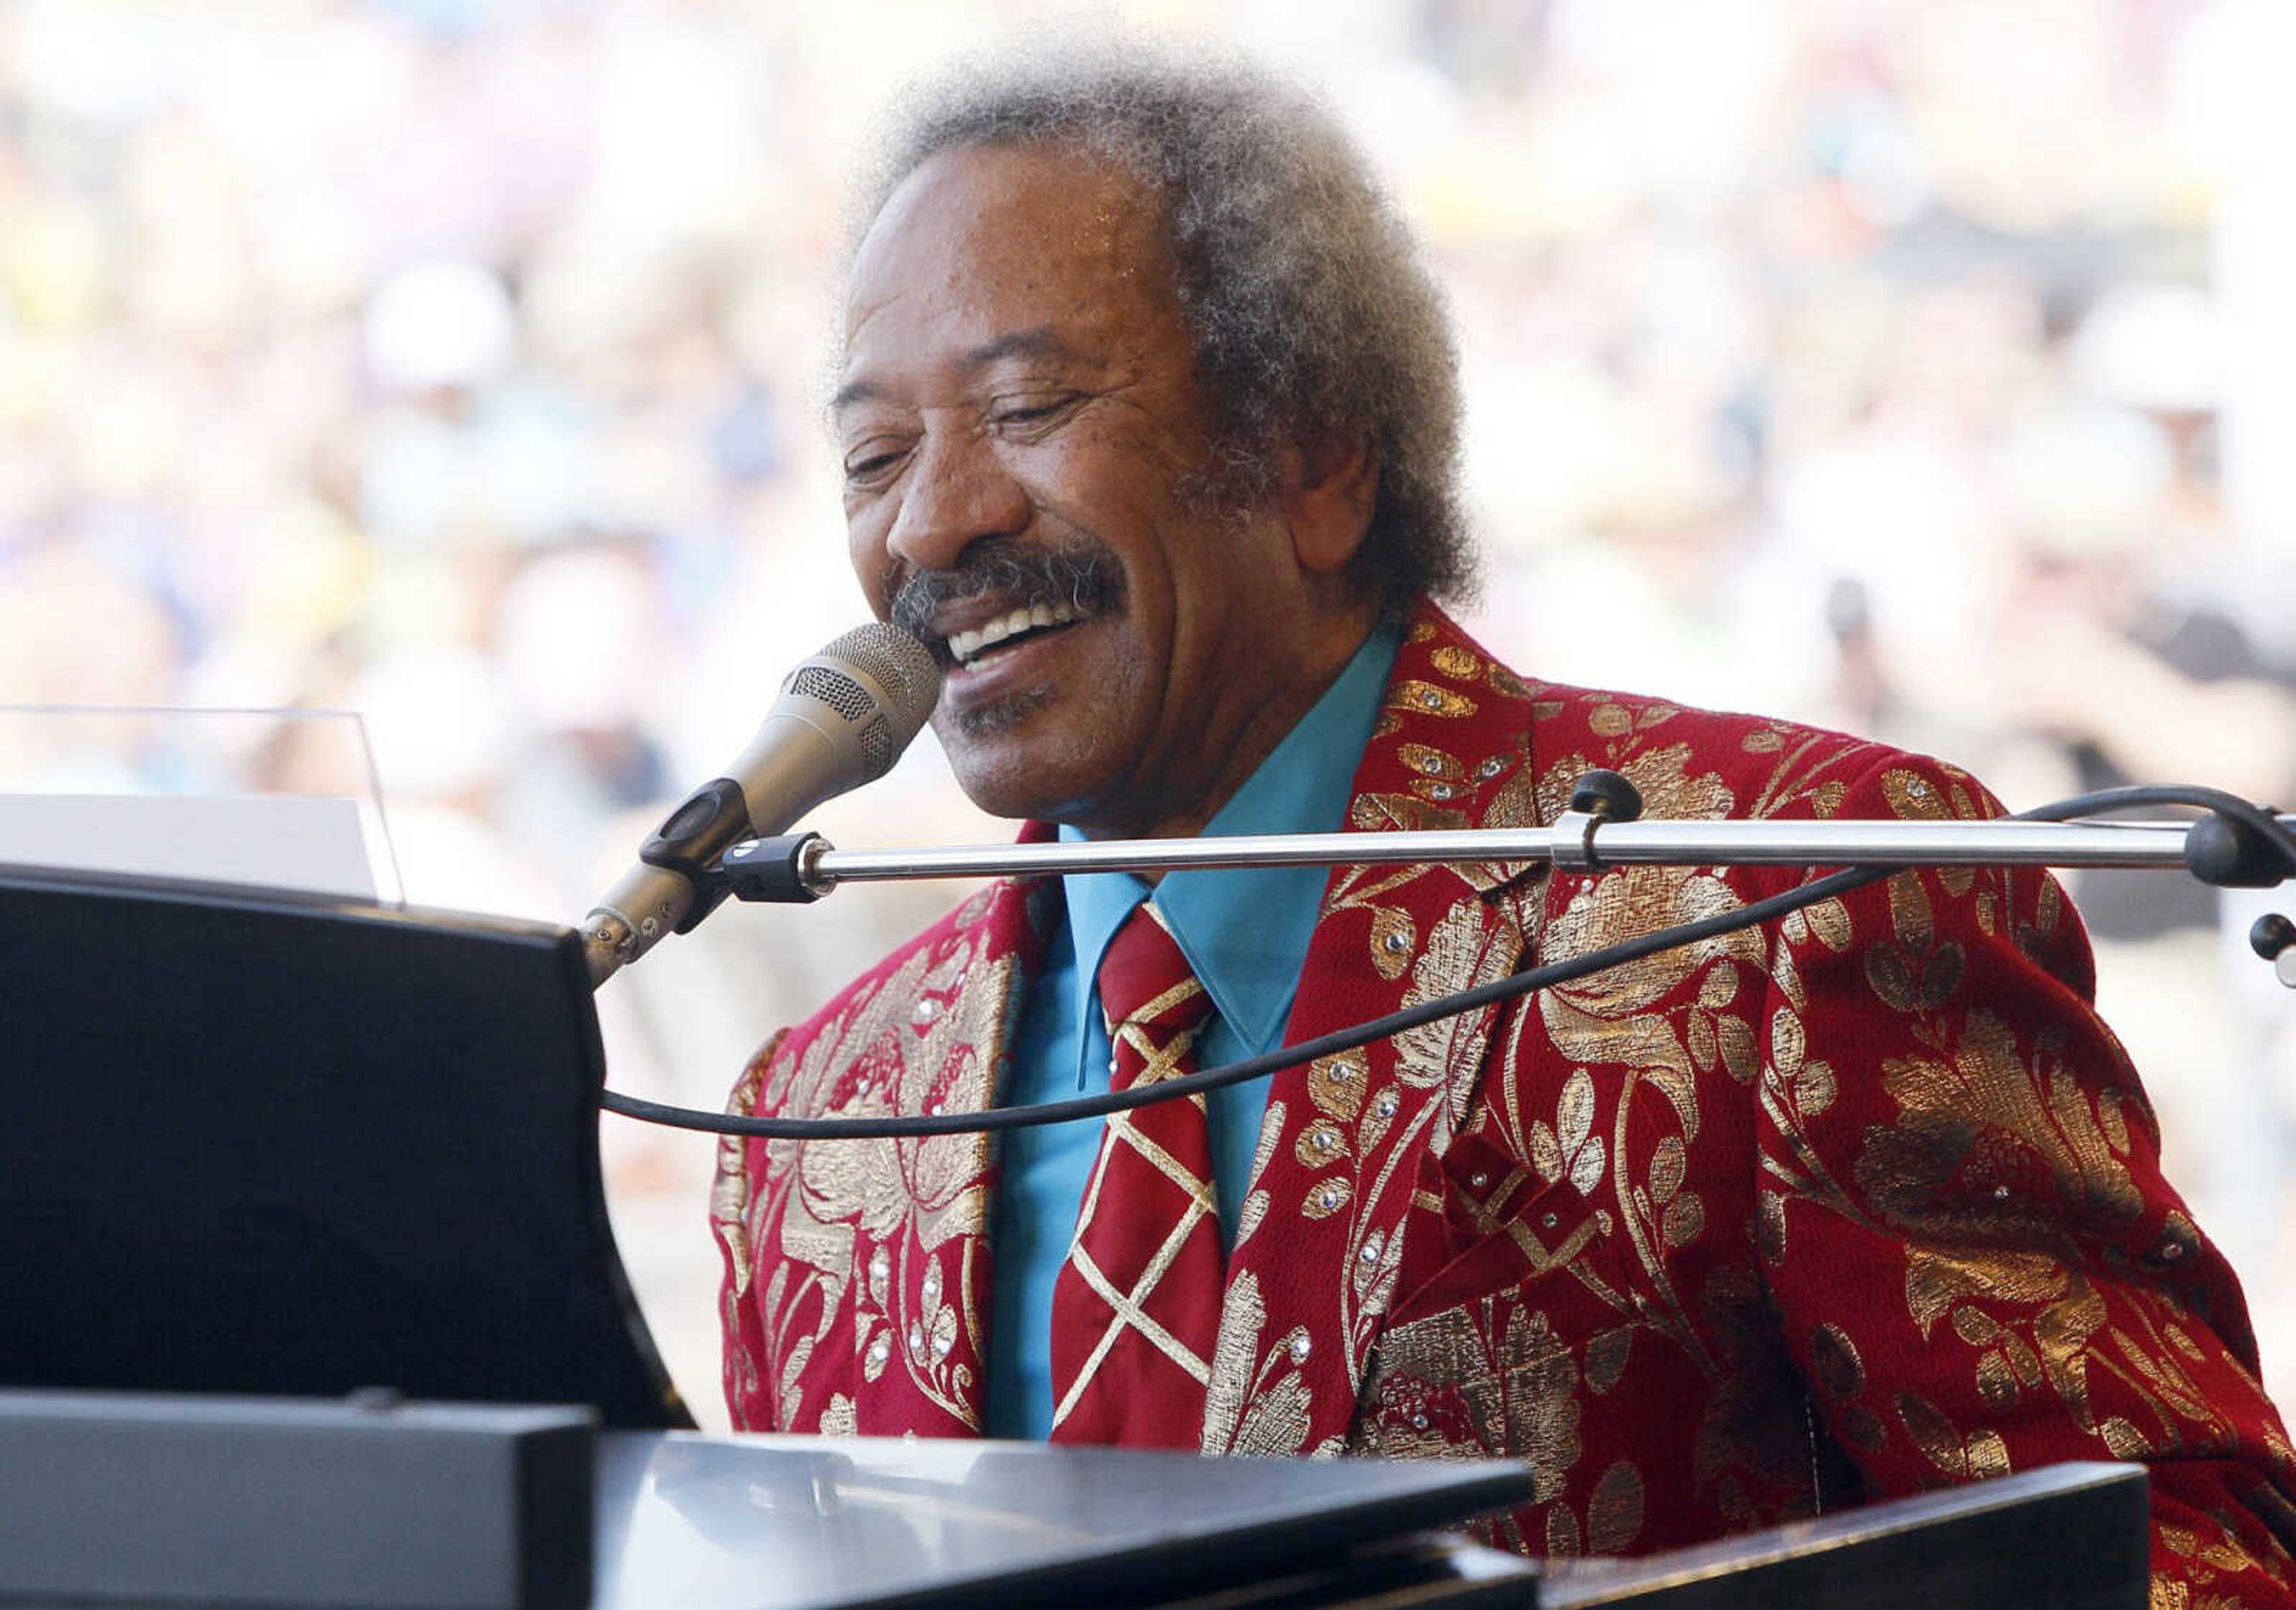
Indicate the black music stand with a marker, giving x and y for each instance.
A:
(260, 1142)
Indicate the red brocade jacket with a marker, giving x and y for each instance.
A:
(1859, 1202)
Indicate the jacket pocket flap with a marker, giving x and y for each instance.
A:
(1500, 1226)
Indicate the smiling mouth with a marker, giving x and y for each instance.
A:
(1025, 624)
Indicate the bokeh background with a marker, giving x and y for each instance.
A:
(1921, 367)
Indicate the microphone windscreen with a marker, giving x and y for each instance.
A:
(899, 683)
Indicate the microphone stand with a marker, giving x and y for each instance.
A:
(2236, 843)
(1575, 841)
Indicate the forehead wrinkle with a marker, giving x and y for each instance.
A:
(977, 230)
(1112, 217)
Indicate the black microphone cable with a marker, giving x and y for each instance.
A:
(2280, 862)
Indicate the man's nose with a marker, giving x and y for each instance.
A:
(956, 492)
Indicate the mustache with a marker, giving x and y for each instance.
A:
(1077, 571)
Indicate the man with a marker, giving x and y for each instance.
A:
(1146, 415)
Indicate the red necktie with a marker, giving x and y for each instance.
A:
(1136, 1309)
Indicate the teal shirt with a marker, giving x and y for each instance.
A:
(1245, 933)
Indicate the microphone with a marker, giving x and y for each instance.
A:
(842, 719)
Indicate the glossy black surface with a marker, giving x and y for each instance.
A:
(2062, 1537)
(785, 1523)
(779, 1522)
(267, 1143)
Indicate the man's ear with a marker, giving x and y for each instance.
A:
(1327, 492)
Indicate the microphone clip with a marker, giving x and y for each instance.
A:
(778, 870)
(1598, 797)
(689, 841)
(2228, 853)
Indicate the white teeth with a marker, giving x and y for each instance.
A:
(965, 646)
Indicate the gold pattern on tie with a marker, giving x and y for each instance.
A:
(1136, 1309)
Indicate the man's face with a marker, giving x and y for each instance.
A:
(1028, 479)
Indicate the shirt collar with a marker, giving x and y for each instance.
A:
(1245, 931)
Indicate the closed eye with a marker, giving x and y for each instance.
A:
(1033, 411)
(872, 461)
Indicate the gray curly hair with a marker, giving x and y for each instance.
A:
(1314, 320)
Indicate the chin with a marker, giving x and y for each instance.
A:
(1021, 776)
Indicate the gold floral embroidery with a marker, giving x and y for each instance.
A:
(1517, 1390)
(1971, 1117)
(1372, 1114)
(1456, 663)
(1936, 1280)
(1336, 1084)
(1606, 1357)
(1373, 1272)
(1377, 1119)
(1834, 1356)
(1632, 901)
(1320, 1145)
(1747, 1012)
(837, 1417)
(829, 1198)
(1570, 1145)
(1429, 762)
(1255, 1402)
(1981, 1454)
(1614, 1513)
(1425, 699)
(1662, 776)
(729, 1192)
(1610, 721)
(1256, 1200)
(1465, 948)
(1393, 939)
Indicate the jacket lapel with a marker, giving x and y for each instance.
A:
(1345, 1139)
(921, 1285)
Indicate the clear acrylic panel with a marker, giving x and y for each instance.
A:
(277, 798)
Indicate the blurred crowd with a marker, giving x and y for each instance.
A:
(1880, 362)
